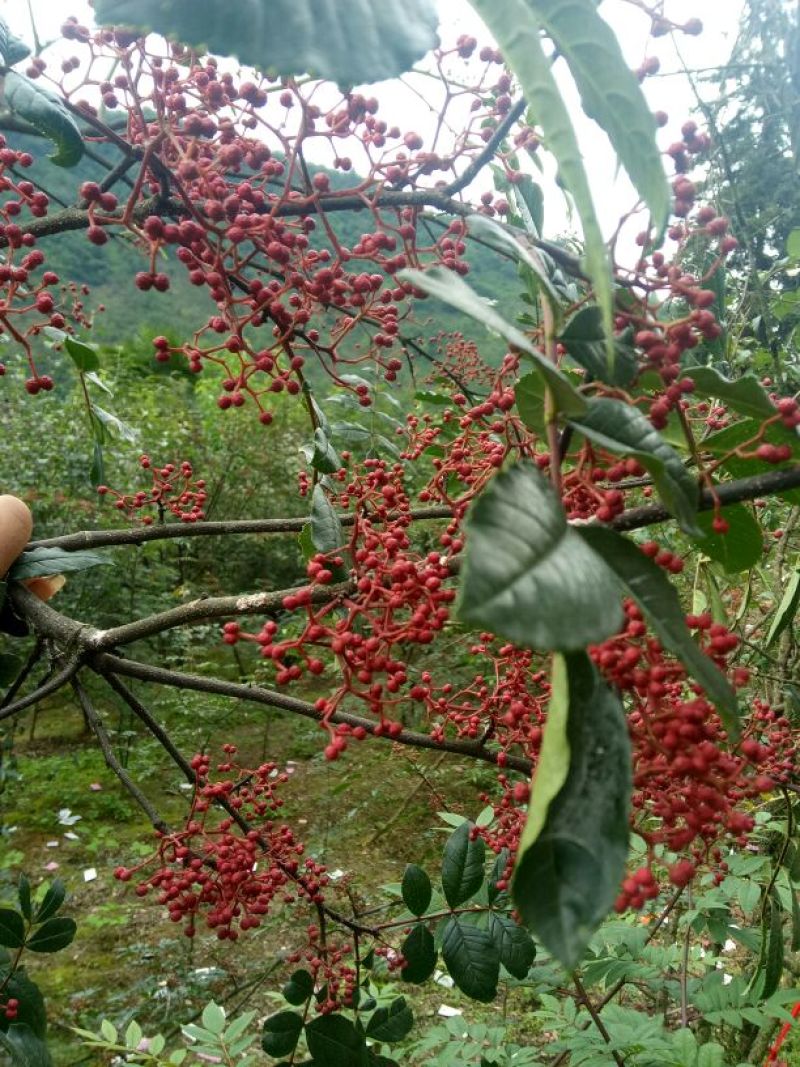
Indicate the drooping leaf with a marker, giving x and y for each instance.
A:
(52, 935)
(502, 237)
(471, 958)
(527, 575)
(115, 426)
(24, 896)
(462, 865)
(12, 928)
(621, 428)
(517, 34)
(416, 889)
(514, 945)
(349, 43)
(745, 395)
(41, 562)
(299, 988)
(448, 286)
(738, 549)
(584, 340)
(97, 471)
(767, 975)
(326, 530)
(573, 850)
(24, 1048)
(392, 1023)
(84, 356)
(281, 1032)
(787, 609)
(419, 952)
(12, 49)
(646, 583)
(324, 457)
(334, 1041)
(48, 114)
(51, 901)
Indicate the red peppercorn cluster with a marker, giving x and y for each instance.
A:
(174, 490)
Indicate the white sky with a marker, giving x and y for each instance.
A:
(613, 194)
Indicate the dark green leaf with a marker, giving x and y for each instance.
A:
(281, 1033)
(419, 952)
(12, 928)
(41, 562)
(334, 1041)
(621, 428)
(24, 896)
(24, 1047)
(795, 944)
(48, 114)
(749, 433)
(416, 889)
(787, 609)
(573, 849)
(738, 549)
(349, 43)
(9, 668)
(584, 340)
(31, 1011)
(324, 457)
(83, 356)
(767, 976)
(97, 471)
(656, 596)
(326, 530)
(462, 865)
(51, 901)
(12, 49)
(392, 1023)
(52, 935)
(471, 958)
(745, 395)
(528, 575)
(299, 988)
(529, 393)
(496, 896)
(514, 945)
(448, 286)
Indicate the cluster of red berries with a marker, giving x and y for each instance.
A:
(174, 490)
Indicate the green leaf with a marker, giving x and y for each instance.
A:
(115, 426)
(41, 562)
(12, 928)
(12, 49)
(527, 575)
(281, 1033)
(326, 530)
(738, 549)
(84, 356)
(133, 1035)
(299, 988)
(745, 395)
(793, 244)
(9, 668)
(787, 609)
(324, 457)
(503, 238)
(621, 428)
(48, 114)
(529, 393)
(24, 896)
(419, 952)
(97, 471)
(416, 889)
(743, 433)
(496, 896)
(52, 935)
(517, 34)
(462, 865)
(584, 340)
(514, 945)
(350, 43)
(51, 901)
(471, 958)
(24, 1047)
(573, 849)
(448, 286)
(334, 1041)
(213, 1018)
(656, 596)
(392, 1023)
(31, 1011)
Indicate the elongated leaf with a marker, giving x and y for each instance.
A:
(529, 393)
(41, 562)
(326, 530)
(573, 850)
(462, 865)
(24, 896)
(787, 609)
(448, 286)
(12, 928)
(419, 952)
(392, 1023)
(25, 1048)
(281, 1032)
(610, 94)
(514, 945)
(416, 889)
(12, 49)
(511, 25)
(334, 1041)
(349, 43)
(84, 356)
(115, 426)
(584, 340)
(51, 901)
(31, 1011)
(621, 428)
(527, 574)
(52, 935)
(503, 238)
(745, 395)
(471, 958)
(656, 596)
(738, 549)
(47, 113)
(324, 457)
